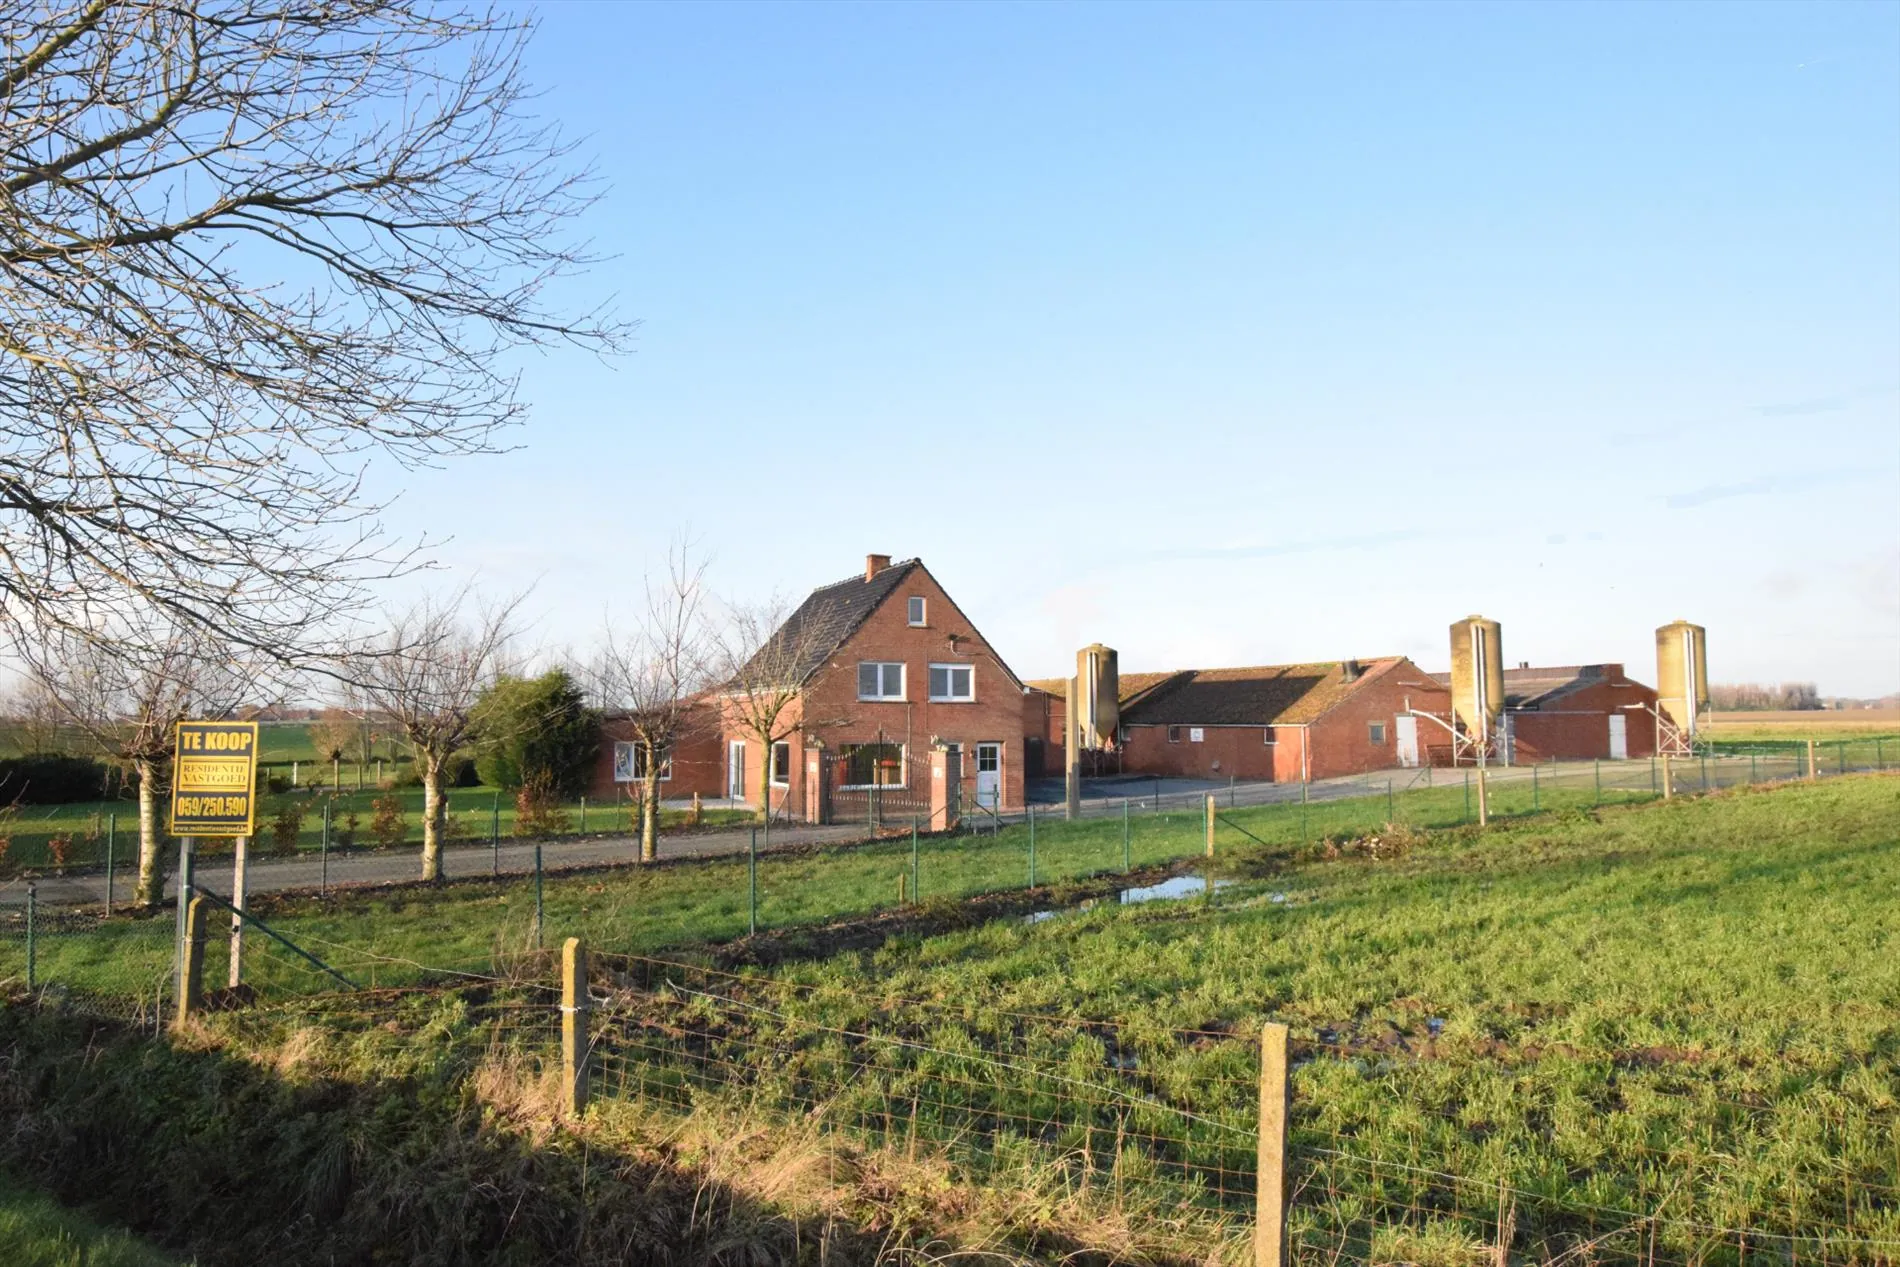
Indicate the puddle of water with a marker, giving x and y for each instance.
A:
(1179, 887)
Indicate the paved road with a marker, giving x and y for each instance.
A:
(1101, 797)
(305, 872)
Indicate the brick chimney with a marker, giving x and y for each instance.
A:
(875, 563)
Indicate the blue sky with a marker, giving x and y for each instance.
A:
(1235, 333)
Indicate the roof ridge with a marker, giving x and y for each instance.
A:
(861, 579)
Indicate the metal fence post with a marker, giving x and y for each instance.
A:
(1753, 773)
(583, 830)
(494, 837)
(1880, 756)
(32, 945)
(537, 895)
(752, 882)
(573, 1026)
(240, 856)
(916, 874)
(1467, 795)
(1841, 749)
(1392, 802)
(112, 832)
(1598, 764)
(1269, 1243)
(1126, 850)
(1231, 779)
(1302, 811)
(1535, 804)
(323, 851)
(1705, 772)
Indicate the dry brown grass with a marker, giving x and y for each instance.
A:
(1805, 723)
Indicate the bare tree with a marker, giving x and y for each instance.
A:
(336, 732)
(424, 675)
(766, 654)
(654, 679)
(248, 247)
(128, 704)
(33, 717)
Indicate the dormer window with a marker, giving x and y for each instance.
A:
(917, 612)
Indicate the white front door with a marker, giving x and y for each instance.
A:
(735, 769)
(1405, 731)
(989, 775)
(1619, 738)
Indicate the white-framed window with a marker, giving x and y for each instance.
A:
(1266, 736)
(782, 763)
(1375, 732)
(880, 679)
(1174, 734)
(630, 763)
(1196, 735)
(952, 683)
(916, 608)
(869, 765)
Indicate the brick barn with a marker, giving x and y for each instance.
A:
(1575, 712)
(1281, 722)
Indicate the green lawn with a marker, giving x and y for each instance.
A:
(88, 828)
(36, 1231)
(1685, 1010)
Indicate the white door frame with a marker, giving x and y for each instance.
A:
(1405, 739)
(735, 770)
(993, 777)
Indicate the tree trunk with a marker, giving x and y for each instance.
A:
(650, 806)
(765, 782)
(432, 816)
(151, 885)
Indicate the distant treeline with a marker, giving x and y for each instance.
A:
(1748, 697)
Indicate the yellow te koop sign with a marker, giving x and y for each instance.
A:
(214, 778)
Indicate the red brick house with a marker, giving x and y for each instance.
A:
(1576, 712)
(696, 764)
(1281, 722)
(887, 670)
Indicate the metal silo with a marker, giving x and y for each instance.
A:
(1477, 680)
(1682, 673)
(1099, 683)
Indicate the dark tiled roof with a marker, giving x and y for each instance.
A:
(1537, 685)
(1263, 695)
(1129, 685)
(828, 616)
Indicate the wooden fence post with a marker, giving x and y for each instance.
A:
(1269, 1236)
(1210, 824)
(573, 1027)
(191, 972)
(1668, 779)
(1811, 770)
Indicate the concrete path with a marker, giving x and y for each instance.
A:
(306, 871)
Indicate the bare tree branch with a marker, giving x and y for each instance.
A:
(248, 247)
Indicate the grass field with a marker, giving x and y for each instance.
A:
(1822, 726)
(1682, 1009)
(35, 1231)
(1662, 1031)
